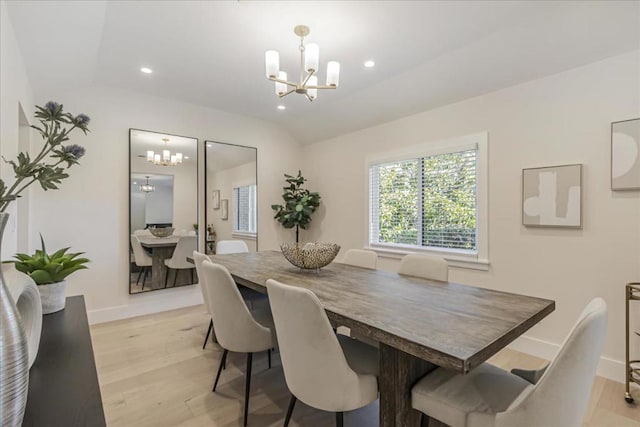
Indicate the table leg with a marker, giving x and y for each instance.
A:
(158, 270)
(399, 371)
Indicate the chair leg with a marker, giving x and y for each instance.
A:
(208, 333)
(144, 276)
(191, 271)
(166, 276)
(339, 419)
(424, 420)
(139, 275)
(247, 387)
(269, 357)
(292, 403)
(175, 277)
(222, 362)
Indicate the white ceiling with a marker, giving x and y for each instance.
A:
(427, 54)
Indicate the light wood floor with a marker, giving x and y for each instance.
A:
(153, 372)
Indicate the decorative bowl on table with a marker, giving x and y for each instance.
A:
(310, 256)
(161, 231)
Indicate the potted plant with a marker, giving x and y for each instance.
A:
(49, 271)
(299, 204)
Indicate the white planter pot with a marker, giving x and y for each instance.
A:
(53, 296)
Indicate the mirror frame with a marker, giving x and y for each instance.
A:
(198, 202)
(206, 199)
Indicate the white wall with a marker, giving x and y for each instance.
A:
(225, 181)
(557, 120)
(90, 212)
(16, 93)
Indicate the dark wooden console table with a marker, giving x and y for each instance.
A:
(63, 382)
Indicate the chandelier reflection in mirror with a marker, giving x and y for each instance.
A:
(166, 158)
(146, 187)
(309, 64)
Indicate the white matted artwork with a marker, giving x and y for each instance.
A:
(552, 196)
(224, 209)
(625, 155)
(215, 199)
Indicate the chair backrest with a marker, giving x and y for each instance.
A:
(140, 256)
(236, 329)
(198, 259)
(561, 396)
(425, 266)
(185, 247)
(231, 247)
(361, 258)
(315, 367)
(144, 232)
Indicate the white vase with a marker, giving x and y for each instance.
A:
(53, 296)
(25, 293)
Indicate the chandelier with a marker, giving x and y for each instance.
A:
(309, 61)
(146, 187)
(166, 158)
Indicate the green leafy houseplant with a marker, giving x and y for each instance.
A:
(299, 204)
(46, 268)
(48, 166)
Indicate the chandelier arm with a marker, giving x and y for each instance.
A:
(283, 81)
(321, 87)
(311, 73)
(308, 97)
(287, 93)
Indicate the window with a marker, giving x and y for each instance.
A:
(244, 209)
(431, 198)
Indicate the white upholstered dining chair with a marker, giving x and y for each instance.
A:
(425, 266)
(324, 370)
(361, 258)
(141, 259)
(178, 261)
(198, 259)
(237, 329)
(489, 396)
(231, 247)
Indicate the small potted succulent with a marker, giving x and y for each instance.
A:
(49, 271)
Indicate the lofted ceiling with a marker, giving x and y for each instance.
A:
(427, 54)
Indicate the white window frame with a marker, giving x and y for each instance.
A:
(235, 232)
(478, 259)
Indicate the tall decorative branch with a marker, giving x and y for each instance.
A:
(49, 165)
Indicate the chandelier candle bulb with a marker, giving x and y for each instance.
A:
(150, 156)
(333, 73)
(311, 57)
(156, 158)
(178, 157)
(166, 155)
(281, 88)
(313, 93)
(272, 61)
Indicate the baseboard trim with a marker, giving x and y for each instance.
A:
(140, 308)
(607, 367)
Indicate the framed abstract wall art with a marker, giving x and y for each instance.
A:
(552, 196)
(625, 155)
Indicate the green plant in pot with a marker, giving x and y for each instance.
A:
(49, 271)
(299, 204)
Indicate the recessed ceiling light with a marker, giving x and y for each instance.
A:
(186, 157)
(146, 70)
(281, 107)
(135, 182)
(369, 63)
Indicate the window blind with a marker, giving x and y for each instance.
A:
(427, 201)
(245, 209)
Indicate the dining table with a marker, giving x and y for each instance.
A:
(161, 248)
(420, 324)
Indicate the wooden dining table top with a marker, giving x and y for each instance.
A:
(448, 324)
(153, 241)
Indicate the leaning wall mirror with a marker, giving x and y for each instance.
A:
(163, 210)
(231, 198)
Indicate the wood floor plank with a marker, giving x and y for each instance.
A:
(153, 372)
